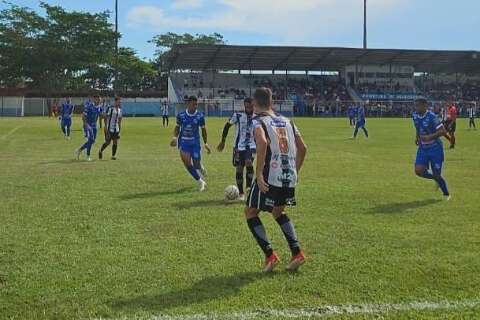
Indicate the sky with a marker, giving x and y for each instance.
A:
(399, 24)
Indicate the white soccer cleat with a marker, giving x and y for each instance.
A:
(241, 197)
(447, 198)
(89, 159)
(201, 185)
(77, 154)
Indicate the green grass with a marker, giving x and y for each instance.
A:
(132, 238)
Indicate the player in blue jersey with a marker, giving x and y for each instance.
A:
(244, 148)
(361, 122)
(90, 116)
(430, 155)
(66, 112)
(187, 138)
(351, 115)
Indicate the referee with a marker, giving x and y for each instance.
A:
(113, 126)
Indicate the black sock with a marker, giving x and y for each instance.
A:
(104, 146)
(249, 176)
(114, 150)
(239, 177)
(289, 232)
(258, 230)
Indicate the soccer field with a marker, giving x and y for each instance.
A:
(133, 239)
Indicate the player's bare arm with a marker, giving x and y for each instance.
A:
(176, 132)
(226, 128)
(205, 140)
(261, 141)
(301, 152)
(440, 133)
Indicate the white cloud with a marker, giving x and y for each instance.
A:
(187, 4)
(291, 21)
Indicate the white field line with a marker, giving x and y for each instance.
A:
(11, 132)
(321, 311)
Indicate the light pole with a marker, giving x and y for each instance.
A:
(115, 84)
(364, 24)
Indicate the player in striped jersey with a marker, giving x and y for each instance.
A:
(280, 156)
(244, 148)
(113, 125)
(472, 113)
(165, 110)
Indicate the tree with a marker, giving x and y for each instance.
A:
(165, 42)
(54, 51)
(134, 73)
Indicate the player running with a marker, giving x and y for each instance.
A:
(66, 112)
(113, 125)
(187, 136)
(430, 153)
(472, 113)
(280, 156)
(451, 124)
(361, 122)
(244, 148)
(90, 117)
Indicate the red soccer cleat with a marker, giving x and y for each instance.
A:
(271, 262)
(296, 262)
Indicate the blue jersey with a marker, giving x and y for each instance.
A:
(427, 124)
(190, 125)
(91, 113)
(66, 111)
(351, 111)
(360, 113)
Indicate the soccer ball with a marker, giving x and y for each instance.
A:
(231, 193)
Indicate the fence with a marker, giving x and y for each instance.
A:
(152, 107)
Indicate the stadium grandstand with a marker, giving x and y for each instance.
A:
(317, 81)
(306, 81)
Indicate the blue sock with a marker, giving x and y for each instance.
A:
(68, 131)
(193, 172)
(89, 147)
(443, 186)
(85, 145)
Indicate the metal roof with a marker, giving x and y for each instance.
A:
(234, 57)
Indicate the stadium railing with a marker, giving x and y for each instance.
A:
(148, 107)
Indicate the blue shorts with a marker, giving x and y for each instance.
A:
(193, 149)
(91, 133)
(360, 124)
(66, 122)
(431, 157)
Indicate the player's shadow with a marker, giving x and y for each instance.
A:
(203, 204)
(154, 194)
(211, 288)
(396, 208)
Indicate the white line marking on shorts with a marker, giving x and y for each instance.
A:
(320, 311)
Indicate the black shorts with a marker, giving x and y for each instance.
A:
(112, 136)
(275, 197)
(239, 157)
(451, 126)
